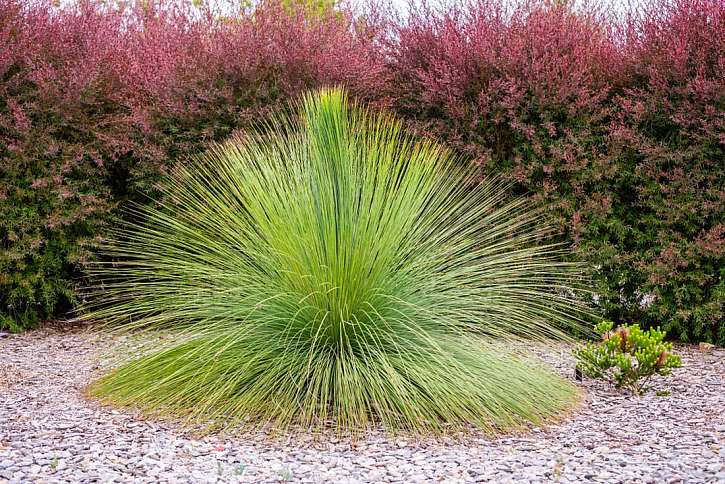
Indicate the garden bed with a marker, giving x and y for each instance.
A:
(49, 431)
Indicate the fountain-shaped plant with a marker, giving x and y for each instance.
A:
(332, 270)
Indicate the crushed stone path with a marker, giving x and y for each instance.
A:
(49, 432)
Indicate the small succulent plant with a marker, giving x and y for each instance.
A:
(627, 356)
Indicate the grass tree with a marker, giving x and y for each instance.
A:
(330, 270)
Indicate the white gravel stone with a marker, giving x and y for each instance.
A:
(50, 432)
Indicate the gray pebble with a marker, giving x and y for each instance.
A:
(49, 431)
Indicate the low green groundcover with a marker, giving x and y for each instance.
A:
(330, 270)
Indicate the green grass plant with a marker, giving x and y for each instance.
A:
(330, 270)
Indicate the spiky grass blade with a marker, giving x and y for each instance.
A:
(333, 270)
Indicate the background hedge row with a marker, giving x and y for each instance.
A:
(616, 120)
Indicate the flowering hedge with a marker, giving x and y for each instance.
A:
(96, 102)
(617, 125)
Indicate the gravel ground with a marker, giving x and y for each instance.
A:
(49, 433)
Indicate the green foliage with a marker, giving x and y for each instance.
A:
(628, 356)
(331, 270)
(620, 136)
(52, 208)
(98, 99)
(617, 126)
(317, 8)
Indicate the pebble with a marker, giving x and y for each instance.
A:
(49, 432)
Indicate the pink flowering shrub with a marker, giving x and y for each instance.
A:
(97, 101)
(617, 125)
(667, 137)
(614, 122)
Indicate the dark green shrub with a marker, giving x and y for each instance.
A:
(96, 103)
(616, 127)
